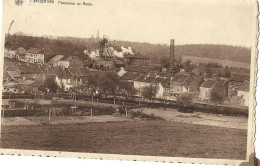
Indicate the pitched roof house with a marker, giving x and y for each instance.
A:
(209, 85)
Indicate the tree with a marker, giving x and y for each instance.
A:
(165, 61)
(217, 96)
(208, 72)
(93, 85)
(51, 84)
(109, 84)
(184, 101)
(127, 89)
(150, 92)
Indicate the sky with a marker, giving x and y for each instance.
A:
(152, 21)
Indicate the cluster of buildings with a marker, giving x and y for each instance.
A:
(69, 72)
(33, 55)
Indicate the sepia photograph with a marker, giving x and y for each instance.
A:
(157, 80)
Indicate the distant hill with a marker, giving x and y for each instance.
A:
(223, 52)
(76, 46)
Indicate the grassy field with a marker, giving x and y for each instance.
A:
(157, 138)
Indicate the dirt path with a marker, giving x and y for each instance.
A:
(61, 120)
(197, 118)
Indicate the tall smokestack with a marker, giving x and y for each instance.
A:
(171, 64)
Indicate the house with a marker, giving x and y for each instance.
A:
(34, 55)
(158, 82)
(62, 76)
(6, 77)
(12, 52)
(235, 83)
(129, 76)
(143, 81)
(181, 83)
(14, 75)
(243, 92)
(20, 53)
(209, 85)
(71, 61)
(54, 62)
(80, 75)
(29, 71)
(205, 89)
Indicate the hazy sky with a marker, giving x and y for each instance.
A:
(153, 21)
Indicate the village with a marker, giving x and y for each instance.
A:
(129, 75)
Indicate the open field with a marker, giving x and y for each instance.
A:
(197, 118)
(158, 138)
(223, 62)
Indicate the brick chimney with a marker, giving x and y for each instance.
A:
(171, 63)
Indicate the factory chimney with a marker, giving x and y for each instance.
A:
(171, 63)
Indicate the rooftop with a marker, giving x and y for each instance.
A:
(57, 58)
(180, 78)
(130, 76)
(209, 83)
(136, 68)
(34, 50)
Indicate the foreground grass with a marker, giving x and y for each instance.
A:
(157, 138)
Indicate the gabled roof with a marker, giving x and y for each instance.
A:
(34, 50)
(149, 79)
(240, 77)
(21, 51)
(143, 78)
(130, 76)
(80, 72)
(29, 69)
(14, 74)
(223, 81)
(166, 81)
(68, 58)
(245, 86)
(60, 73)
(180, 78)
(209, 84)
(135, 68)
(140, 78)
(57, 58)
(158, 80)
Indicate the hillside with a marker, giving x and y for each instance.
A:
(76, 46)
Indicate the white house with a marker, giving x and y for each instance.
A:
(34, 55)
